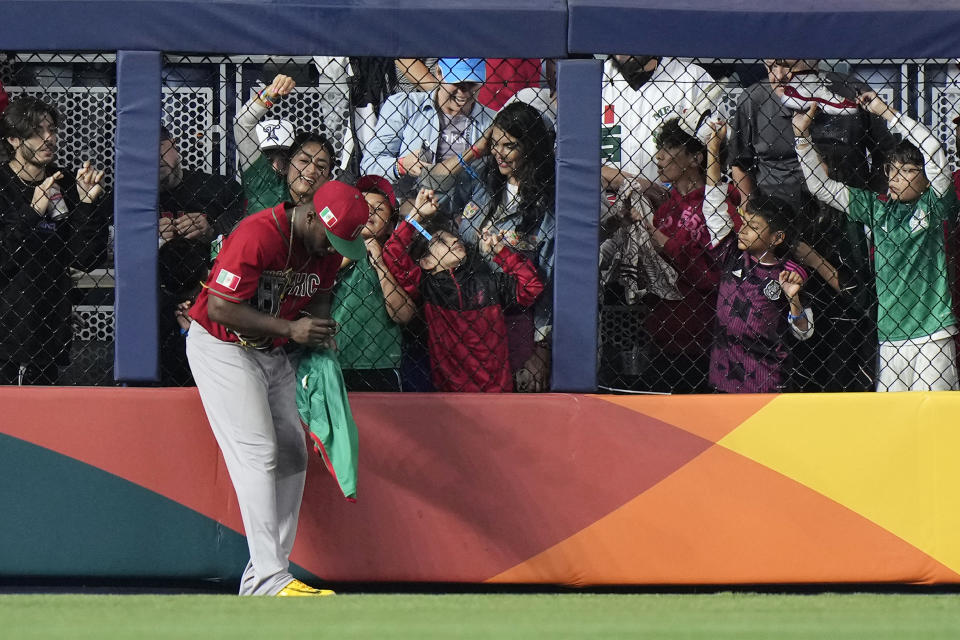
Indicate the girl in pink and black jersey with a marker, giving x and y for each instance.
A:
(758, 302)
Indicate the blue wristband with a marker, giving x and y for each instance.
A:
(418, 227)
(467, 168)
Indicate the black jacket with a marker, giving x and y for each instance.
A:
(36, 253)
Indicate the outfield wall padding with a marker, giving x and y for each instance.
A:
(560, 489)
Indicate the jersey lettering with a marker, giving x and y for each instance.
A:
(275, 286)
(270, 289)
(664, 111)
(610, 143)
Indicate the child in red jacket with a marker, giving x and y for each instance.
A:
(463, 300)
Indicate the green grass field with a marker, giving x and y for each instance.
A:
(566, 615)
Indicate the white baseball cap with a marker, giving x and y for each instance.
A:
(275, 134)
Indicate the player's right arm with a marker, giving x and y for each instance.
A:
(244, 319)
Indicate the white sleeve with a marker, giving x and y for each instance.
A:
(248, 148)
(715, 213)
(803, 335)
(934, 157)
(830, 192)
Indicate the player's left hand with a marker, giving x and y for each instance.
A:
(192, 226)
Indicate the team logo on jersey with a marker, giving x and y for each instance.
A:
(328, 218)
(772, 290)
(228, 280)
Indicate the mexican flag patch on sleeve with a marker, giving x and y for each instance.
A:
(228, 280)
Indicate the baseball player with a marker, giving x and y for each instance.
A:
(270, 283)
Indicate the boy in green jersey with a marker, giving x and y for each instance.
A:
(370, 307)
(915, 321)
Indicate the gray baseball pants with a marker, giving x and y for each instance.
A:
(250, 400)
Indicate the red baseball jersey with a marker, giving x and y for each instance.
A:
(257, 266)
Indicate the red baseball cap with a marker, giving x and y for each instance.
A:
(344, 213)
(381, 184)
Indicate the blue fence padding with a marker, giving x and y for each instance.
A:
(135, 215)
(767, 28)
(576, 274)
(492, 28)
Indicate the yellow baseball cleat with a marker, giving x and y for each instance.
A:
(297, 588)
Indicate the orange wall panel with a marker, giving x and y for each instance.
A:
(568, 489)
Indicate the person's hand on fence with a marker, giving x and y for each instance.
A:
(89, 181)
(41, 194)
(281, 86)
(803, 119)
(193, 226)
(718, 133)
(425, 205)
(871, 102)
(167, 228)
(791, 282)
(491, 241)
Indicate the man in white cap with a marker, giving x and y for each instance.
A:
(262, 146)
(270, 284)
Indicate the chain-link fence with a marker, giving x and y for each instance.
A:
(57, 285)
(844, 287)
(424, 311)
(806, 245)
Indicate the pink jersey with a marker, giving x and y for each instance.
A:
(258, 266)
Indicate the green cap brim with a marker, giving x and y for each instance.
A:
(353, 249)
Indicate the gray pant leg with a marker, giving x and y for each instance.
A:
(236, 386)
(291, 451)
